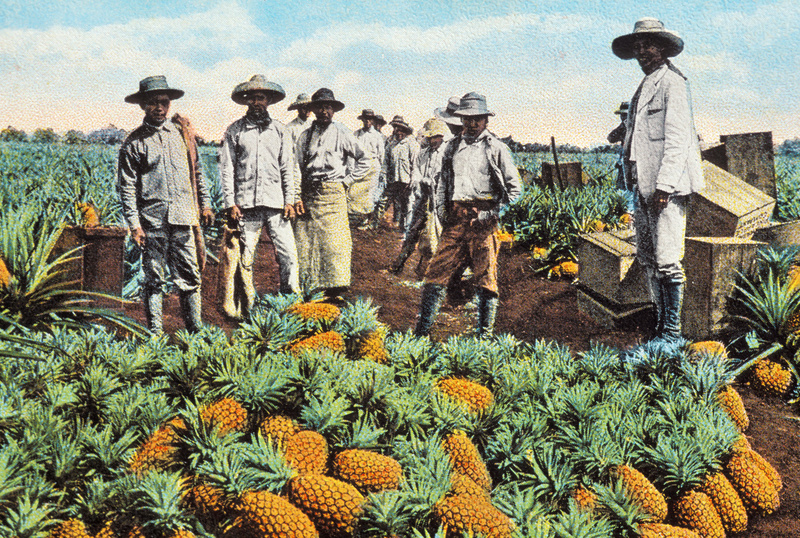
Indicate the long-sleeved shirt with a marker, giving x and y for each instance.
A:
(323, 152)
(372, 142)
(398, 164)
(296, 128)
(153, 179)
(256, 165)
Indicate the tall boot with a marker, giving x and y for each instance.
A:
(191, 308)
(153, 310)
(432, 297)
(672, 299)
(487, 312)
(654, 287)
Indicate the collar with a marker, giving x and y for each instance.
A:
(166, 125)
(262, 124)
(469, 140)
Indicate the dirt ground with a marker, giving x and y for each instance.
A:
(530, 308)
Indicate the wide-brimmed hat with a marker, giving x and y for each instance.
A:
(623, 45)
(401, 123)
(473, 104)
(302, 100)
(379, 120)
(325, 96)
(434, 127)
(446, 113)
(257, 83)
(623, 108)
(151, 85)
(366, 114)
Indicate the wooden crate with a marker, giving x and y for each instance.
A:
(783, 234)
(711, 265)
(727, 207)
(571, 175)
(751, 157)
(609, 314)
(608, 266)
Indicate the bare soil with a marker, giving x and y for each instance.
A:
(531, 308)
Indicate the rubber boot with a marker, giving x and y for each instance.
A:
(153, 311)
(654, 287)
(432, 297)
(672, 299)
(487, 313)
(191, 308)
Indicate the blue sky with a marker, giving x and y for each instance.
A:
(546, 68)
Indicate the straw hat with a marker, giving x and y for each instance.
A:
(325, 96)
(151, 85)
(379, 121)
(446, 113)
(258, 83)
(623, 45)
(400, 123)
(473, 104)
(434, 127)
(302, 100)
(366, 114)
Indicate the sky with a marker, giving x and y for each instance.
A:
(546, 67)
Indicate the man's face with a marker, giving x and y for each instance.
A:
(435, 141)
(399, 133)
(649, 52)
(323, 113)
(257, 103)
(366, 123)
(303, 112)
(474, 125)
(156, 107)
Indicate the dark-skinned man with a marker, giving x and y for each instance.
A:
(164, 199)
(662, 160)
(479, 178)
(256, 165)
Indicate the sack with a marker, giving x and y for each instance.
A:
(231, 295)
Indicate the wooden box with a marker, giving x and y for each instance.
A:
(608, 266)
(727, 207)
(609, 314)
(571, 175)
(751, 157)
(711, 265)
(783, 234)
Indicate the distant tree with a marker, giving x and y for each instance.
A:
(12, 134)
(789, 147)
(44, 136)
(74, 137)
(109, 135)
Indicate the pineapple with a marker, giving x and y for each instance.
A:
(727, 502)
(477, 397)
(206, 501)
(756, 490)
(5, 276)
(626, 219)
(695, 510)
(225, 414)
(741, 444)
(363, 334)
(314, 311)
(307, 452)
(461, 484)
(372, 346)
(708, 347)
(567, 269)
(261, 514)
(772, 378)
(277, 428)
(180, 533)
(472, 514)
(328, 340)
(642, 492)
(662, 530)
(159, 450)
(465, 459)
(88, 214)
(768, 469)
(732, 403)
(367, 470)
(333, 505)
(585, 498)
(70, 528)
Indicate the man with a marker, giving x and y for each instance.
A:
(164, 200)
(295, 127)
(379, 123)
(398, 166)
(479, 178)
(322, 230)
(425, 225)
(617, 136)
(446, 114)
(662, 158)
(256, 163)
(359, 196)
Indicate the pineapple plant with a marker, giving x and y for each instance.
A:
(159, 451)
(771, 378)
(88, 214)
(364, 335)
(157, 501)
(585, 498)
(475, 396)
(465, 459)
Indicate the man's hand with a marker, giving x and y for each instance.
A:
(235, 212)
(288, 212)
(138, 236)
(660, 200)
(207, 217)
(299, 208)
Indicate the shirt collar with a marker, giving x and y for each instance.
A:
(167, 125)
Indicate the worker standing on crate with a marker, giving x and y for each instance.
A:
(164, 200)
(662, 158)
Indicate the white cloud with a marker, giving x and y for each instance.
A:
(764, 26)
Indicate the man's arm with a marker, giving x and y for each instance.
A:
(353, 149)
(227, 156)
(127, 179)
(678, 131)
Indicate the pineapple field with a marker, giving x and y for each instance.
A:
(312, 419)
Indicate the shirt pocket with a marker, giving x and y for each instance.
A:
(655, 114)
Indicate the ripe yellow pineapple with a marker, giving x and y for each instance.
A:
(88, 214)
(477, 397)
(771, 378)
(567, 269)
(367, 470)
(694, 510)
(708, 347)
(5, 275)
(465, 459)
(261, 514)
(180, 533)
(307, 452)
(625, 219)
(727, 502)
(756, 490)
(207, 502)
(741, 444)
(330, 340)
(461, 484)
(473, 515)
(732, 403)
(159, 450)
(642, 492)
(662, 530)
(792, 325)
(585, 498)
(315, 311)
(278, 427)
(332, 505)
(227, 414)
(372, 347)
(765, 466)
(70, 528)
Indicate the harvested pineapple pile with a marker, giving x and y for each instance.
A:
(314, 420)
